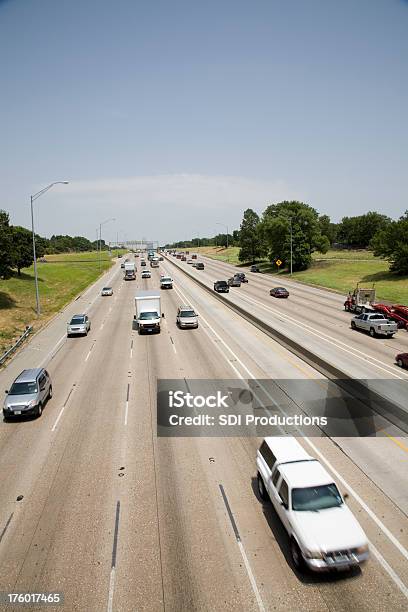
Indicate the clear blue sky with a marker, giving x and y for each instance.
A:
(174, 115)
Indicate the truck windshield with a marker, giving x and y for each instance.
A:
(144, 316)
(316, 498)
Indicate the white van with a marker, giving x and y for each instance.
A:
(323, 532)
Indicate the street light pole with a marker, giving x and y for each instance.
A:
(32, 199)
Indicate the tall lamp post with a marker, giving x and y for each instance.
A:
(100, 240)
(32, 199)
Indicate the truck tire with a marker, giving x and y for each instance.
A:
(372, 332)
(296, 555)
(261, 488)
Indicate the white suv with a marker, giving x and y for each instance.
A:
(323, 532)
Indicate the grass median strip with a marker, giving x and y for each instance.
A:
(60, 279)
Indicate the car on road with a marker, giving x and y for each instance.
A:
(187, 317)
(146, 274)
(375, 324)
(79, 325)
(142, 262)
(324, 535)
(122, 265)
(28, 394)
(221, 286)
(199, 265)
(254, 269)
(166, 282)
(241, 276)
(402, 360)
(234, 281)
(190, 261)
(183, 258)
(279, 292)
(107, 291)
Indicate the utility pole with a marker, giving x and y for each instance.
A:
(32, 199)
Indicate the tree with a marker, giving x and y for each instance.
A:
(22, 248)
(6, 260)
(275, 231)
(358, 231)
(328, 228)
(392, 243)
(249, 239)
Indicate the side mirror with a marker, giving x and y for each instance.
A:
(162, 315)
(6, 391)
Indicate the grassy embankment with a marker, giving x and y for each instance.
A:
(338, 270)
(60, 280)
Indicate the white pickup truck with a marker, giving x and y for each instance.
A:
(375, 324)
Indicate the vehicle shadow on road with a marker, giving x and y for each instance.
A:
(282, 539)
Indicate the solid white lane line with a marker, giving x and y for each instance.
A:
(88, 355)
(357, 498)
(111, 589)
(126, 412)
(52, 351)
(58, 418)
(397, 580)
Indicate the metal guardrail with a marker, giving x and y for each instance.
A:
(386, 408)
(21, 339)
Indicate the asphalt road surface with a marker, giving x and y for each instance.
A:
(118, 519)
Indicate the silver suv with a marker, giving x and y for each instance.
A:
(79, 325)
(28, 394)
(187, 317)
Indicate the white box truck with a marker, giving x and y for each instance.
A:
(130, 270)
(148, 312)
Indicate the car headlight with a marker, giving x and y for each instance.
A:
(312, 554)
(360, 550)
(32, 404)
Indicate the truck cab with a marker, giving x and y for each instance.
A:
(148, 312)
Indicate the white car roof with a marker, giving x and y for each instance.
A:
(287, 448)
(305, 474)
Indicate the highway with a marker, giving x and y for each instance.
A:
(118, 519)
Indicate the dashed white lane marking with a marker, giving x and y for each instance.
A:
(58, 418)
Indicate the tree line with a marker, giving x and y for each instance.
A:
(16, 246)
(295, 226)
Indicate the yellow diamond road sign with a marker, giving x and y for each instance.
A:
(278, 262)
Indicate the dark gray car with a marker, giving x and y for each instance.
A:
(28, 394)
